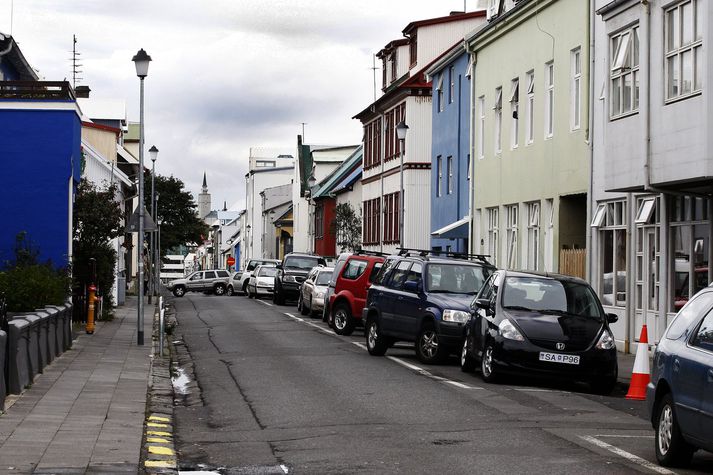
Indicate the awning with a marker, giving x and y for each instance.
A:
(456, 230)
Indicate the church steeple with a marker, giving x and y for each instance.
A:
(205, 184)
(204, 204)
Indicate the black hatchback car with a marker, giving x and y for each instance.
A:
(423, 299)
(291, 272)
(540, 324)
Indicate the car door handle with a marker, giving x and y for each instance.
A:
(676, 365)
(710, 375)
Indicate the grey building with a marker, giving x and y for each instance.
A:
(652, 173)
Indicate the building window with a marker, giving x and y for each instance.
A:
(392, 62)
(439, 175)
(576, 89)
(533, 235)
(684, 49)
(549, 99)
(372, 221)
(481, 128)
(383, 72)
(610, 218)
(413, 49)
(690, 237)
(530, 120)
(514, 109)
(372, 144)
(512, 222)
(449, 178)
(439, 89)
(452, 90)
(493, 229)
(625, 71)
(391, 218)
(647, 259)
(319, 222)
(393, 117)
(498, 108)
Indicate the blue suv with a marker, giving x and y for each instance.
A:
(422, 297)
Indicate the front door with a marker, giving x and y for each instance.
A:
(648, 286)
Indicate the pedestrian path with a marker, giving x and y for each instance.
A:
(86, 412)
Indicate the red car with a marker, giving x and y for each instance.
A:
(349, 297)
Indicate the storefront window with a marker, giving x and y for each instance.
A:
(609, 217)
(690, 238)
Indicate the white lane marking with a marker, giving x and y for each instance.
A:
(360, 345)
(294, 318)
(410, 366)
(623, 453)
(461, 385)
(266, 303)
(533, 390)
(284, 468)
(622, 436)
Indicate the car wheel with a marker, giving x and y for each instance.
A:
(230, 292)
(428, 347)
(487, 365)
(219, 289)
(179, 291)
(301, 304)
(467, 363)
(325, 311)
(277, 297)
(671, 449)
(376, 343)
(245, 287)
(343, 322)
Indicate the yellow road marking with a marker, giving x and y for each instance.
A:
(160, 464)
(159, 419)
(157, 440)
(154, 424)
(158, 450)
(158, 433)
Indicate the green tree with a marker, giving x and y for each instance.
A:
(347, 224)
(177, 210)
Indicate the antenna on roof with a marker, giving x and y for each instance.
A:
(75, 65)
(373, 70)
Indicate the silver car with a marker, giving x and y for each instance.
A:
(261, 281)
(313, 290)
(210, 281)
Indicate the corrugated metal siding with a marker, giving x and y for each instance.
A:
(419, 118)
(417, 212)
(433, 40)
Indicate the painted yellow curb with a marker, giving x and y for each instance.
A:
(157, 440)
(158, 450)
(154, 424)
(159, 419)
(160, 464)
(159, 433)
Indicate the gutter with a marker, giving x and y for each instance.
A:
(590, 139)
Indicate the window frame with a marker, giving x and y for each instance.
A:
(514, 109)
(498, 109)
(449, 177)
(549, 99)
(530, 121)
(624, 65)
(452, 90)
(576, 89)
(678, 51)
(481, 128)
(439, 176)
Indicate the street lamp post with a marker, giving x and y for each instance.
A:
(141, 61)
(157, 258)
(159, 221)
(401, 130)
(153, 152)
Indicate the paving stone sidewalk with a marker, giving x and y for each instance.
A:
(85, 413)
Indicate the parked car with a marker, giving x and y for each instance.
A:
(313, 290)
(540, 324)
(338, 266)
(291, 272)
(680, 394)
(215, 281)
(261, 281)
(423, 299)
(350, 288)
(239, 280)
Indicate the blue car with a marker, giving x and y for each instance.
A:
(680, 394)
(422, 298)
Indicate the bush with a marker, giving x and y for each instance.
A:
(105, 257)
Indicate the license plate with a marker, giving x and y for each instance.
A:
(559, 358)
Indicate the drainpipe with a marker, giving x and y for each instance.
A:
(459, 153)
(590, 141)
(471, 133)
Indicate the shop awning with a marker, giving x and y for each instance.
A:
(455, 230)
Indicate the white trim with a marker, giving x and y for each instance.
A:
(450, 227)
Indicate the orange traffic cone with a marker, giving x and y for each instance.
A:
(641, 375)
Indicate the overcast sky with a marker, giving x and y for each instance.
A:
(226, 74)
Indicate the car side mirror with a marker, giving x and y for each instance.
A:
(412, 286)
(278, 265)
(612, 317)
(483, 303)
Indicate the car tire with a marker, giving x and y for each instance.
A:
(230, 292)
(343, 322)
(219, 289)
(487, 365)
(376, 343)
(671, 449)
(467, 362)
(245, 287)
(179, 291)
(251, 295)
(277, 297)
(301, 304)
(428, 347)
(310, 310)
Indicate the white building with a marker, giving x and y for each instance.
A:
(406, 97)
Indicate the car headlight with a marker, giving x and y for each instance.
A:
(508, 331)
(606, 341)
(456, 316)
(289, 278)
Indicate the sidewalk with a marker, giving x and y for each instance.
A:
(86, 412)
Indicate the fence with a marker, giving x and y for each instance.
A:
(573, 262)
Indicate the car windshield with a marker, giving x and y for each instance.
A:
(301, 262)
(323, 278)
(267, 271)
(455, 278)
(550, 296)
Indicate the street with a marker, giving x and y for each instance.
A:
(280, 393)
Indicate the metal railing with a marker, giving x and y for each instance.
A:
(36, 90)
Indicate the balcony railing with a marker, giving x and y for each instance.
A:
(36, 90)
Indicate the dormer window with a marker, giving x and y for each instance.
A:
(383, 72)
(413, 52)
(392, 63)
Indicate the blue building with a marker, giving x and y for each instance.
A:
(40, 148)
(450, 157)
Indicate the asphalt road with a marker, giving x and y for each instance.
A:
(281, 393)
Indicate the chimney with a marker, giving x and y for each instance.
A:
(82, 91)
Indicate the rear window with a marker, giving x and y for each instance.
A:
(301, 262)
(354, 269)
(692, 310)
(267, 271)
(223, 273)
(323, 278)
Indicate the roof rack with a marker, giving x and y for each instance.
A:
(364, 252)
(405, 251)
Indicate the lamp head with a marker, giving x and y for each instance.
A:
(153, 153)
(141, 61)
(401, 129)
